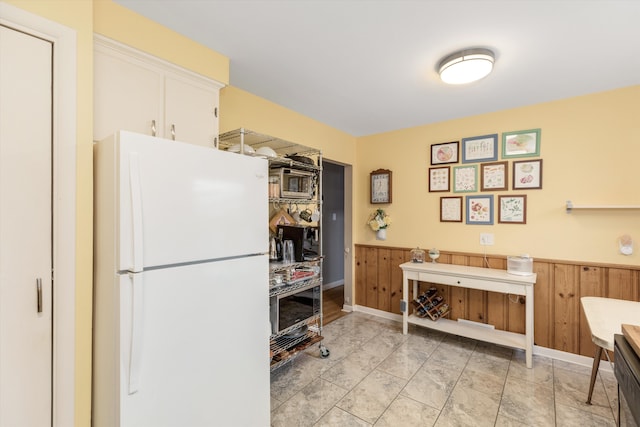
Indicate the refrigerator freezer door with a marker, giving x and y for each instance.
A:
(176, 202)
(203, 328)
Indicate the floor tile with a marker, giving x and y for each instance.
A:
(406, 412)
(527, 402)
(483, 381)
(570, 416)
(307, 406)
(338, 417)
(404, 362)
(432, 384)
(469, 407)
(540, 373)
(352, 369)
(572, 388)
(369, 399)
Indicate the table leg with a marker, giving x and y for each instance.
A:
(529, 325)
(594, 372)
(405, 297)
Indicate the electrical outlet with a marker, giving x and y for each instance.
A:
(486, 239)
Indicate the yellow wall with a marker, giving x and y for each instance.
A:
(121, 24)
(241, 109)
(590, 150)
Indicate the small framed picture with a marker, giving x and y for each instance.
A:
(527, 174)
(465, 179)
(522, 143)
(494, 176)
(444, 153)
(380, 186)
(480, 148)
(512, 209)
(480, 210)
(451, 209)
(439, 179)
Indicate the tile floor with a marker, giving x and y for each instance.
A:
(377, 376)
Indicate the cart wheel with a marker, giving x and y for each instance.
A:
(324, 352)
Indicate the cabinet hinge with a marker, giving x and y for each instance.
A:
(215, 112)
(403, 306)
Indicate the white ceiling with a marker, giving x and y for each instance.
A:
(366, 66)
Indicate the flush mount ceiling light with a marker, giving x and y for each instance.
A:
(466, 66)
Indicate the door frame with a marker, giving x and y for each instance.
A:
(64, 134)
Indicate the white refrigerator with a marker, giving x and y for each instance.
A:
(181, 306)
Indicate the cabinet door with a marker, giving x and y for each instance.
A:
(127, 96)
(190, 110)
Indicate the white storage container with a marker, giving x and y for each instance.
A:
(520, 265)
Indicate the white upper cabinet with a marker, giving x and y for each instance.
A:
(138, 92)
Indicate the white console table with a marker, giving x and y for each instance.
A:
(485, 279)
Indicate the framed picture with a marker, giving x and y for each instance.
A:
(380, 186)
(480, 148)
(527, 174)
(522, 143)
(451, 209)
(444, 153)
(280, 217)
(494, 176)
(480, 210)
(439, 179)
(512, 209)
(465, 179)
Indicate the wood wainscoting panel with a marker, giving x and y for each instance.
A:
(371, 276)
(542, 307)
(360, 271)
(566, 308)
(384, 280)
(620, 284)
(398, 256)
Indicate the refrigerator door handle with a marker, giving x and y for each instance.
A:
(135, 354)
(136, 212)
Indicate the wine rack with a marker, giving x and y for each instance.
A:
(431, 305)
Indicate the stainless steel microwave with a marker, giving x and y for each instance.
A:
(294, 183)
(291, 310)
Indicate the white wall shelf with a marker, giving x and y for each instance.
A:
(571, 206)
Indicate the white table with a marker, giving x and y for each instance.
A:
(605, 317)
(485, 279)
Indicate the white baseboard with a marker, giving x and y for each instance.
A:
(571, 358)
(537, 350)
(379, 313)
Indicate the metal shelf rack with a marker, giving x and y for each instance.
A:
(287, 344)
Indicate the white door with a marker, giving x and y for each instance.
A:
(25, 229)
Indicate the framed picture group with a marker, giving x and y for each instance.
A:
(477, 165)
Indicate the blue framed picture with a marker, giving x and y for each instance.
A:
(480, 210)
(480, 148)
